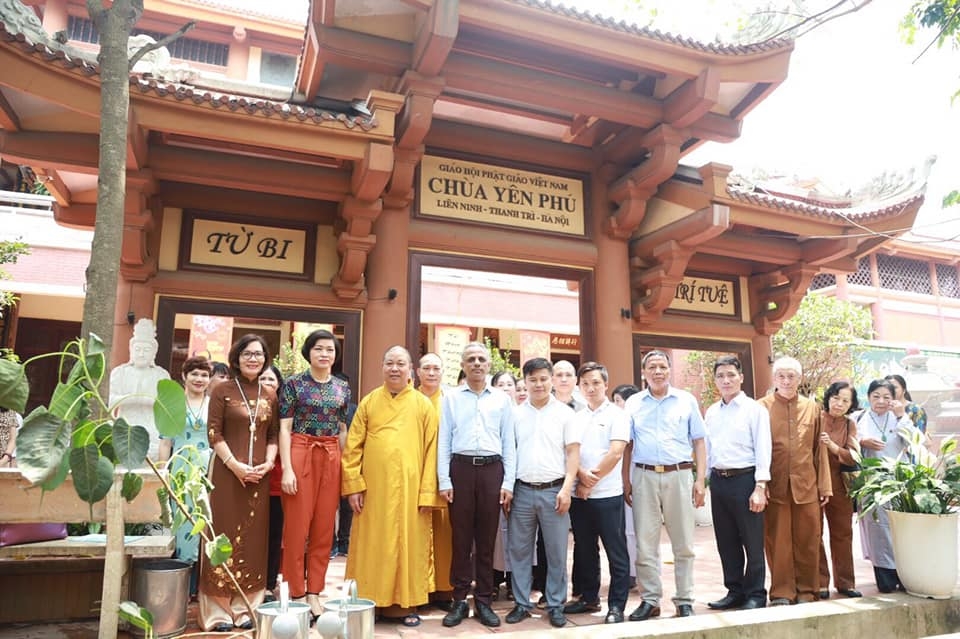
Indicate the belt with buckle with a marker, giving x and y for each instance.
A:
(541, 485)
(476, 460)
(733, 472)
(665, 468)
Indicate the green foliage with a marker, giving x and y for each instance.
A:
(951, 199)
(942, 15)
(826, 336)
(499, 361)
(289, 360)
(700, 369)
(10, 250)
(13, 385)
(918, 481)
(138, 617)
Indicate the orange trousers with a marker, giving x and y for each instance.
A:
(308, 516)
(791, 538)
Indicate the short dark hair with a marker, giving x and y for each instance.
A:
(881, 383)
(537, 364)
(589, 367)
(233, 357)
(196, 363)
(625, 391)
(219, 368)
(651, 355)
(834, 389)
(727, 360)
(315, 337)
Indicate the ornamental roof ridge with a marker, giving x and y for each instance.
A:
(654, 34)
(866, 211)
(71, 59)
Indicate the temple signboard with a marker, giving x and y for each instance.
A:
(503, 196)
(217, 243)
(704, 295)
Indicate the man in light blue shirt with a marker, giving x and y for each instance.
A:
(476, 469)
(666, 438)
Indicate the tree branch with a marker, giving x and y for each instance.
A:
(160, 43)
(943, 29)
(817, 16)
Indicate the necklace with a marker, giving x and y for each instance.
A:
(883, 429)
(252, 415)
(195, 414)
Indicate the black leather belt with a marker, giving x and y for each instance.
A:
(665, 468)
(732, 472)
(476, 460)
(541, 485)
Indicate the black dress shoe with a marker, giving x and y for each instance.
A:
(750, 604)
(728, 602)
(518, 614)
(644, 611)
(580, 606)
(614, 615)
(684, 610)
(824, 594)
(850, 592)
(246, 625)
(223, 627)
(458, 612)
(485, 614)
(557, 619)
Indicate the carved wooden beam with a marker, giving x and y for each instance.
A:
(435, 39)
(137, 147)
(690, 231)
(824, 250)
(693, 99)
(657, 285)
(55, 185)
(9, 120)
(370, 175)
(632, 190)
(76, 216)
(775, 296)
(137, 262)
(77, 152)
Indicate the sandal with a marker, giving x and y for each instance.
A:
(411, 621)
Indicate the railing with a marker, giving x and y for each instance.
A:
(26, 203)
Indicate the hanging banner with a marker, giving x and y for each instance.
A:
(211, 337)
(534, 344)
(450, 342)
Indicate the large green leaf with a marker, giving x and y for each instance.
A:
(130, 443)
(138, 616)
(95, 359)
(92, 473)
(218, 550)
(13, 386)
(57, 478)
(68, 399)
(170, 409)
(132, 485)
(42, 443)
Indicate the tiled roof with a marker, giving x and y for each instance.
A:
(654, 34)
(865, 211)
(251, 105)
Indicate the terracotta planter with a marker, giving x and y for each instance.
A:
(925, 549)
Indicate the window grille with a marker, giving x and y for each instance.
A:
(862, 276)
(82, 30)
(192, 49)
(823, 280)
(904, 274)
(947, 280)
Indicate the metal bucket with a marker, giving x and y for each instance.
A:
(162, 586)
(267, 613)
(358, 614)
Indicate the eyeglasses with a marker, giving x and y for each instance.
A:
(252, 355)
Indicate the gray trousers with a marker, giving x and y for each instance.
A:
(529, 508)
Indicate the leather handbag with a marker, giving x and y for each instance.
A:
(12, 534)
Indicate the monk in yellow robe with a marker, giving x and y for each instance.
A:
(390, 479)
(430, 374)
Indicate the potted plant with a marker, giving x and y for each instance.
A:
(78, 434)
(920, 492)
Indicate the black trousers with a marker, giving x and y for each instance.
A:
(593, 521)
(274, 541)
(474, 519)
(739, 535)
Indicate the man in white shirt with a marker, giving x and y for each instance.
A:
(738, 454)
(548, 456)
(596, 512)
(476, 448)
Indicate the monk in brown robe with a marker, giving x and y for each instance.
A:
(799, 486)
